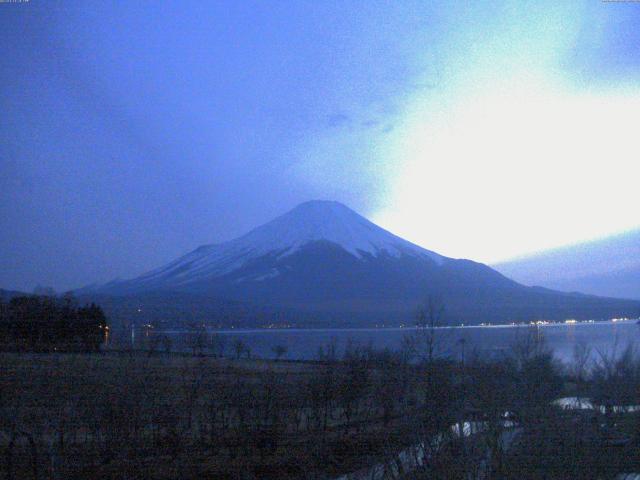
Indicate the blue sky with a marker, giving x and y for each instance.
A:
(132, 132)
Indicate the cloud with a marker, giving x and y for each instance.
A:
(370, 123)
(338, 120)
(515, 168)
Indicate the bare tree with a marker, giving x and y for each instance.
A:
(166, 344)
(218, 345)
(279, 351)
(430, 316)
(197, 340)
(579, 367)
(616, 379)
(239, 348)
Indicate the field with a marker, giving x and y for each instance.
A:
(173, 416)
(152, 415)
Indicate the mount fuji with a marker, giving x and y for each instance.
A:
(323, 262)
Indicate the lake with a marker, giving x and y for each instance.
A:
(602, 337)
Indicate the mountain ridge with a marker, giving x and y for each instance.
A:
(607, 266)
(322, 259)
(315, 220)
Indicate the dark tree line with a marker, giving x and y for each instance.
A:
(41, 324)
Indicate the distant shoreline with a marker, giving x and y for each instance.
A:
(408, 328)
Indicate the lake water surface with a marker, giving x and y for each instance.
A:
(601, 337)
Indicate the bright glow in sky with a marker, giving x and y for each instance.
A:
(516, 168)
(515, 150)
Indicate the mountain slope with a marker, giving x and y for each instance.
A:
(309, 222)
(321, 260)
(609, 267)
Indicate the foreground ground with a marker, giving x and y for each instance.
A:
(167, 416)
(175, 416)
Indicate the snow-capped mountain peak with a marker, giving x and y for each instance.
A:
(329, 221)
(312, 221)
